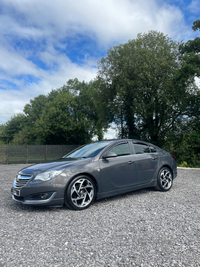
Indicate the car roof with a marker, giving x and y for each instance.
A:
(133, 140)
(124, 139)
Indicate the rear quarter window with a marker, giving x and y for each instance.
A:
(152, 149)
(141, 148)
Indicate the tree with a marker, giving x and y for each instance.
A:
(55, 125)
(2, 130)
(35, 108)
(140, 87)
(66, 115)
(184, 143)
(190, 51)
(11, 127)
(27, 134)
(69, 115)
(191, 68)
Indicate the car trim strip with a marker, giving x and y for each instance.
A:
(43, 201)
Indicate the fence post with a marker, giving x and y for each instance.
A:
(26, 154)
(6, 154)
(45, 152)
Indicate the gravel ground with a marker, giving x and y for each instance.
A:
(142, 228)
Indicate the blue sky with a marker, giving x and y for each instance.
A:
(44, 43)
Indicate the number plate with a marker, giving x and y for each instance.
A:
(16, 192)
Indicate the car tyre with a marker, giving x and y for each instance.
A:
(80, 193)
(164, 180)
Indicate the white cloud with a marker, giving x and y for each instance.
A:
(110, 134)
(109, 20)
(15, 64)
(13, 103)
(194, 7)
(46, 24)
(197, 82)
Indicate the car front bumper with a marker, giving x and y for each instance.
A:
(40, 195)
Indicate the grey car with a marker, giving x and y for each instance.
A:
(95, 171)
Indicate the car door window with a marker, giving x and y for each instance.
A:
(152, 149)
(141, 148)
(121, 149)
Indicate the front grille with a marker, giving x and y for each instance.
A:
(21, 180)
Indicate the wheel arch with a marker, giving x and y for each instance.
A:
(86, 174)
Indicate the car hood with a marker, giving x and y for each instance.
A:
(58, 164)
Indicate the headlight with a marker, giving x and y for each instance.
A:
(47, 175)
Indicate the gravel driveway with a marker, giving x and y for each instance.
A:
(142, 228)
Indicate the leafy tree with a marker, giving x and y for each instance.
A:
(34, 109)
(27, 135)
(186, 142)
(86, 98)
(11, 127)
(141, 88)
(66, 115)
(196, 25)
(62, 123)
(69, 115)
(190, 51)
(2, 128)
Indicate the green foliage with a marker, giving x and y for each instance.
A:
(28, 135)
(188, 146)
(185, 144)
(191, 56)
(184, 152)
(2, 129)
(196, 25)
(184, 164)
(140, 87)
(63, 122)
(14, 125)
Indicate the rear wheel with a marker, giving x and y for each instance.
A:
(164, 180)
(80, 193)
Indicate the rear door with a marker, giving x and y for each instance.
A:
(146, 162)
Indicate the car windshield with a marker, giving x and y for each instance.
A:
(88, 151)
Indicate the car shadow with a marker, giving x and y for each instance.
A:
(16, 206)
(125, 195)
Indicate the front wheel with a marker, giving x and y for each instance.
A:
(80, 193)
(164, 180)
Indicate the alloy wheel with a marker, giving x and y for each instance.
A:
(165, 179)
(82, 192)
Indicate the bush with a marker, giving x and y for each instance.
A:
(184, 164)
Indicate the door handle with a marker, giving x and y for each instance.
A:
(153, 158)
(130, 162)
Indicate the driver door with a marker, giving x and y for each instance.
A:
(118, 173)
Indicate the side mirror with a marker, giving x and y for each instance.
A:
(109, 154)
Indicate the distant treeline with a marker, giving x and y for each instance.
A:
(145, 87)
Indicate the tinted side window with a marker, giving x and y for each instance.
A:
(121, 149)
(152, 149)
(141, 149)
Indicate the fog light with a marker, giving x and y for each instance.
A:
(43, 196)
